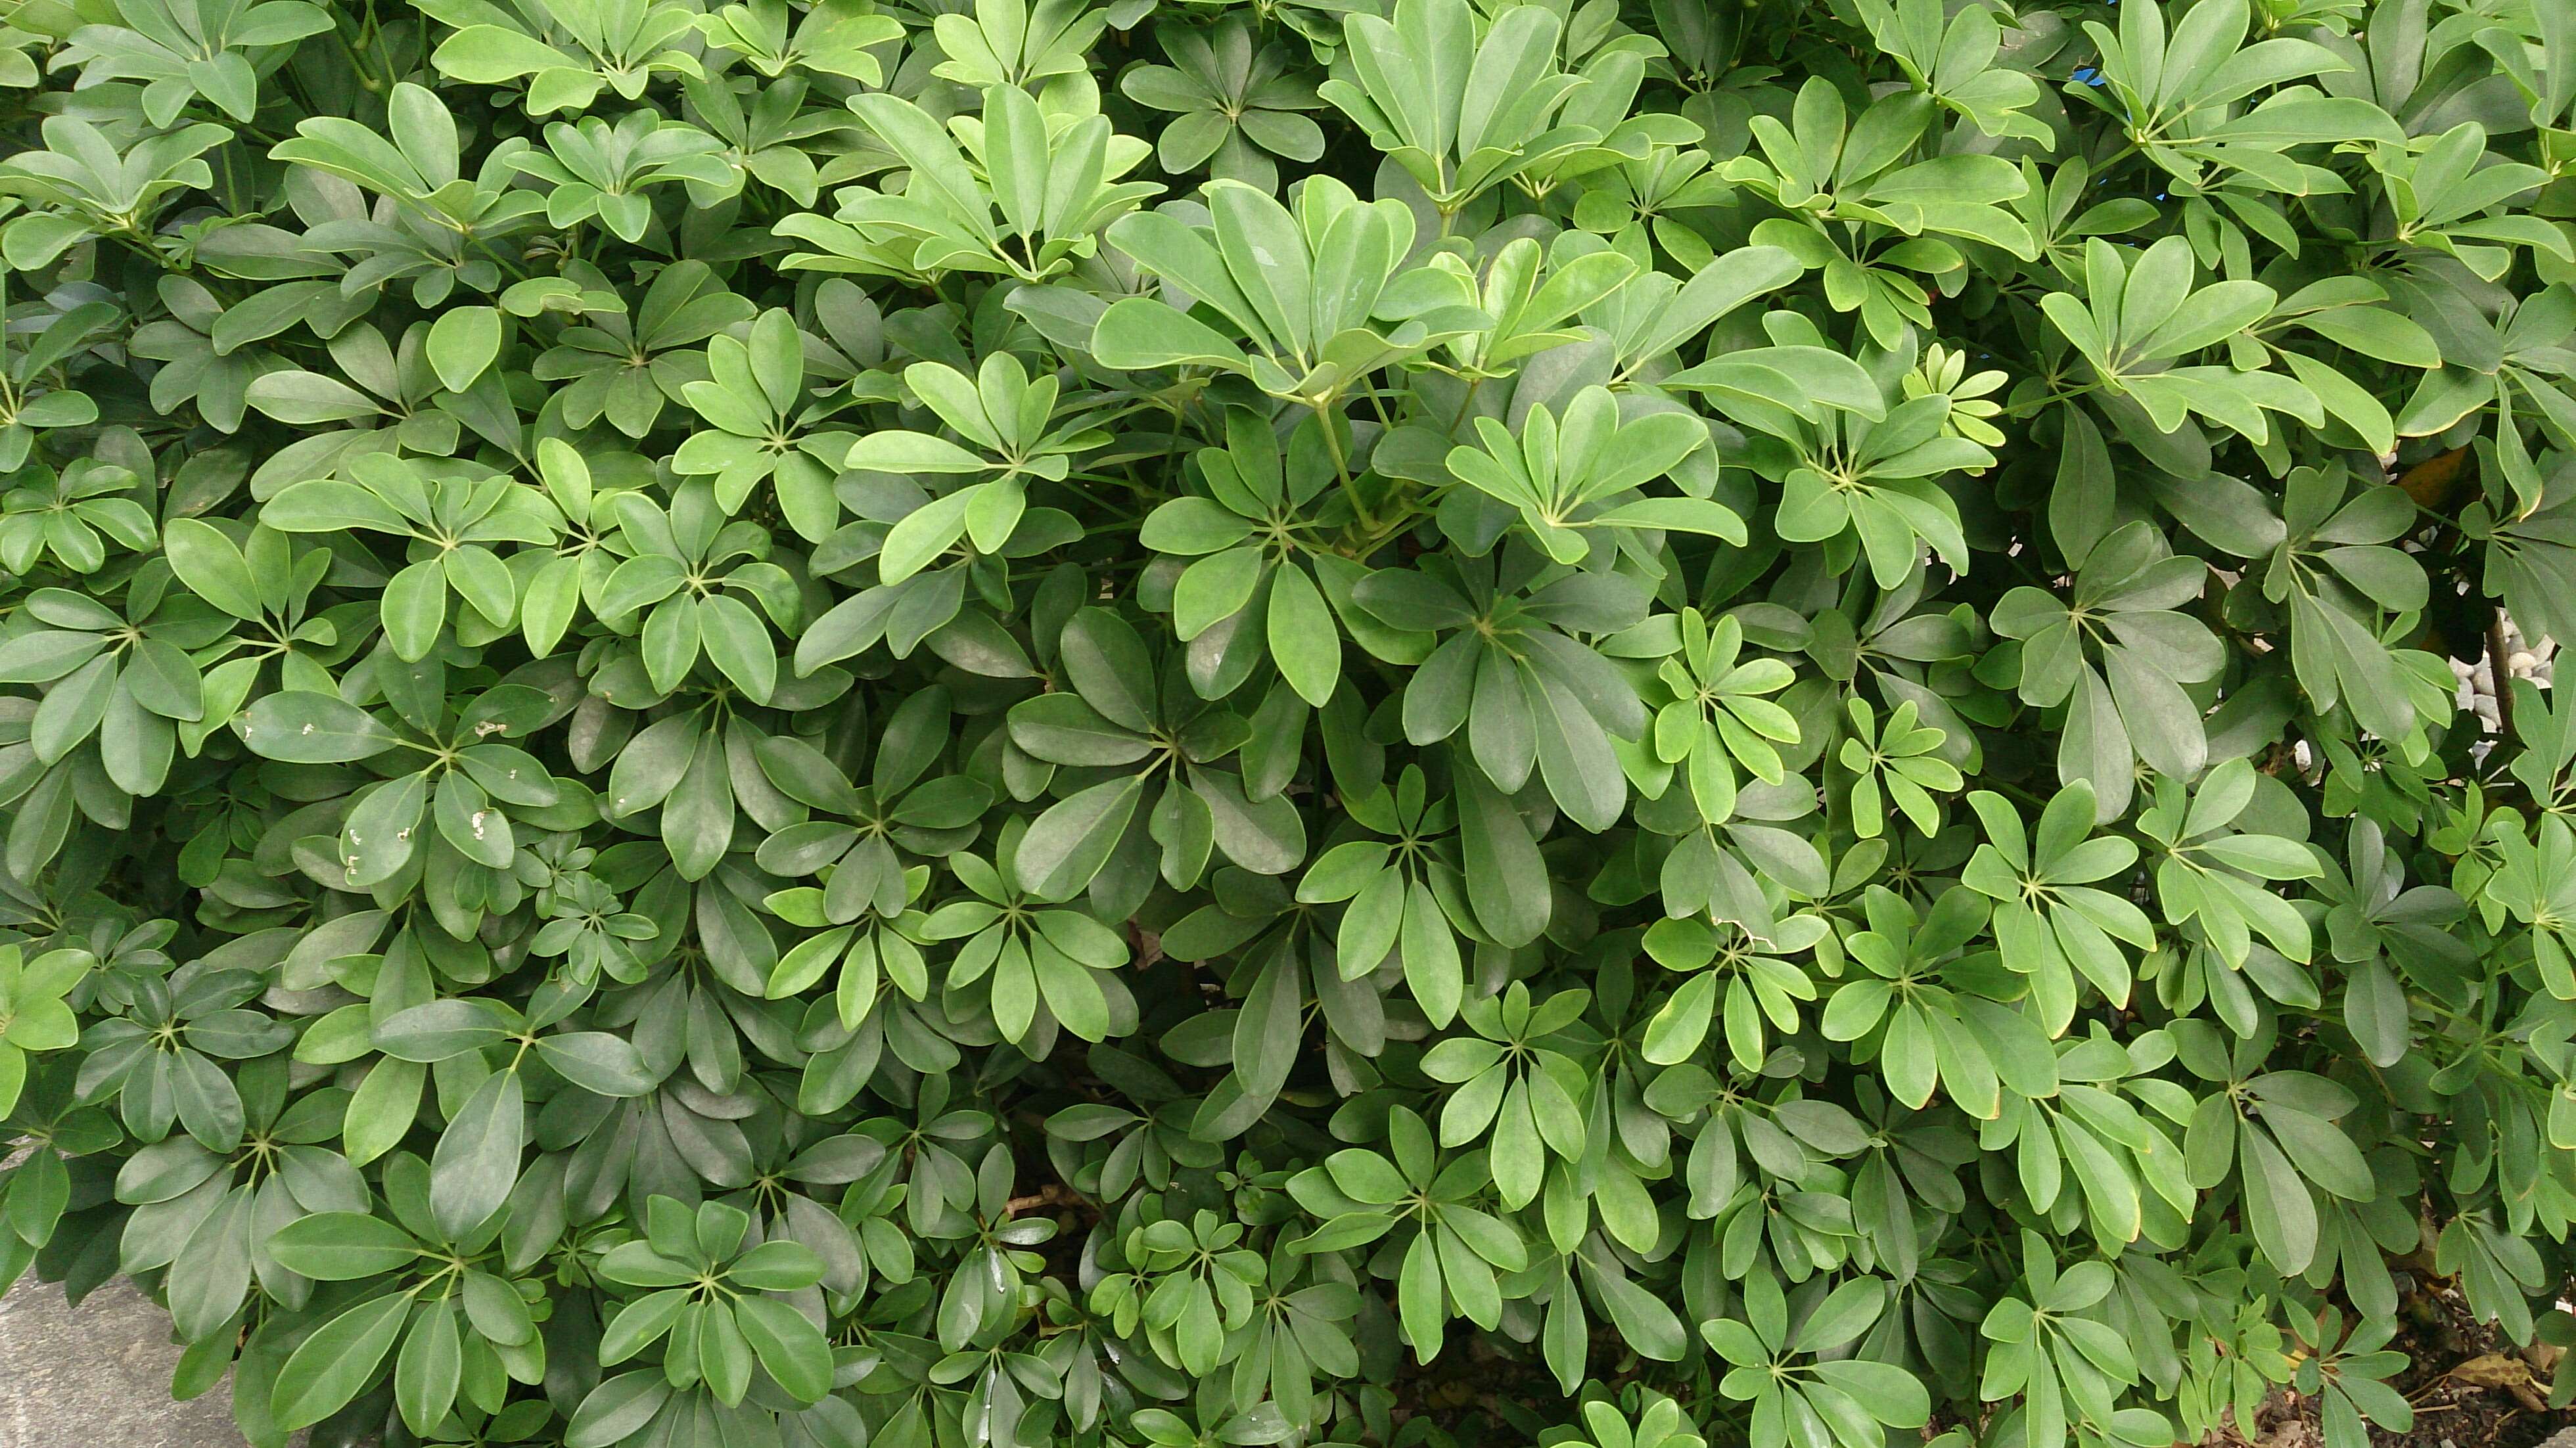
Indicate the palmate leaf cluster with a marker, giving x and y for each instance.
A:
(1370, 722)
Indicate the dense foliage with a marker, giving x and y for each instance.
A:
(1313, 721)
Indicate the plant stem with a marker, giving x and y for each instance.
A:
(1329, 418)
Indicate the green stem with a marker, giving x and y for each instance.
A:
(1466, 404)
(2031, 408)
(366, 80)
(507, 265)
(1327, 417)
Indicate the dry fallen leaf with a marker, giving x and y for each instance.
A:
(2496, 1370)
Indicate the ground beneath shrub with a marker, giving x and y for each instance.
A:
(97, 1374)
(100, 1373)
(2470, 1388)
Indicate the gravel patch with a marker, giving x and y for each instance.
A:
(2523, 659)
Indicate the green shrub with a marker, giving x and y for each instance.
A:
(1375, 722)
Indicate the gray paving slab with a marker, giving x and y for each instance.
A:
(98, 1374)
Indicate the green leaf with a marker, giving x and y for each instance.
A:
(415, 609)
(307, 399)
(1304, 640)
(463, 343)
(1141, 333)
(477, 1161)
(338, 1361)
(208, 563)
(2277, 1205)
(304, 728)
(597, 1061)
(342, 1246)
(791, 1349)
(1506, 879)
(1069, 844)
(427, 1370)
(326, 506)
